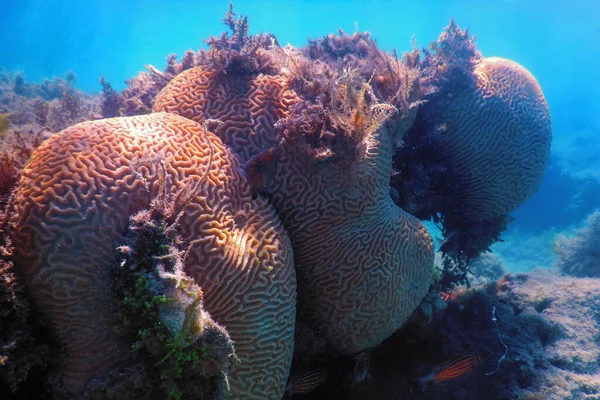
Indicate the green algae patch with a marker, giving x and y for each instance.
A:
(184, 352)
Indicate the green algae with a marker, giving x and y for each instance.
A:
(185, 353)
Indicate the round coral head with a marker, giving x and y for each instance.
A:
(73, 205)
(497, 135)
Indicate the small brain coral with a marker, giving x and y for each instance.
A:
(495, 134)
(72, 207)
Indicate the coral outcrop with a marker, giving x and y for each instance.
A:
(73, 203)
(158, 243)
(317, 129)
(579, 253)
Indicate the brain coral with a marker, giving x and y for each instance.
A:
(73, 203)
(497, 134)
(363, 263)
(247, 105)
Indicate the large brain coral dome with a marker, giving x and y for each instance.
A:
(72, 207)
(363, 263)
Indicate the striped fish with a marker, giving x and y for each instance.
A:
(305, 381)
(455, 368)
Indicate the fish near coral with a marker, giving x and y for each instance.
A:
(454, 368)
(74, 203)
(305, 382)
(261, 168)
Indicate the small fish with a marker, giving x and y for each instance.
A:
(455, 368)
(451, 295)
(433, 46)
(4, 123)
(361, 367)
(305, 382)
(260, 169)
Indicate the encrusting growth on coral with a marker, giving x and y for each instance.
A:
(186, 354)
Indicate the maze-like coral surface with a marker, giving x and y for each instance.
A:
(498, 136)
(363, 263)
(247, 105)
(73, 204)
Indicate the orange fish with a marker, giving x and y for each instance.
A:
(305, 381)
(449, 296)
(455, 368)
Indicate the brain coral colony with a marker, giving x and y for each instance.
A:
(164, 245)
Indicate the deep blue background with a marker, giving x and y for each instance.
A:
(558, 41)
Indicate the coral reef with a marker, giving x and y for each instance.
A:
(65, 235)
(35, 111)
(579, 253)
(154, 241)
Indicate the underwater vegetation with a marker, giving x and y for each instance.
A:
(254, 210)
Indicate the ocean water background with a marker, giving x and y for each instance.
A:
(558, 41)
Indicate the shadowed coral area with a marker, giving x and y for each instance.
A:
(477, 149)
(73, 203)
(363, 263)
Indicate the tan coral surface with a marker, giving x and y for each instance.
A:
(73, 204)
